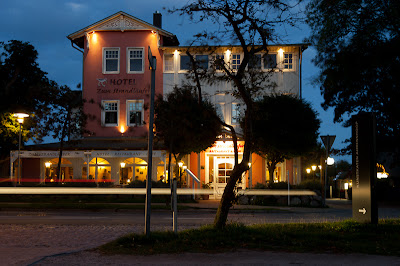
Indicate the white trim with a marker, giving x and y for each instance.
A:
(128, 65)
(173, 63)
(127, 112)
(103, 113)
(104, 60)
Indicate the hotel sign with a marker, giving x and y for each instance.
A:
(222, 147)
(108, 154)
(81, 154)
(104, 84)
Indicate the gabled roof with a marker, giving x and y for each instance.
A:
(119, 21)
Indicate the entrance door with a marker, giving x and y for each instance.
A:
(223, 167)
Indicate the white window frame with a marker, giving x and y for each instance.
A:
(214, 57)
(277, 61)
(261, 62)
(179, 64)
(128, 102)
(235, 108)
(208, 59)
(103, 113)
(128, 59)
(173, 65)
(284, 63)
(105, 49)
(232, 59)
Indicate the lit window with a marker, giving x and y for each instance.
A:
(235, 61)
(202, 61)
(135, 112)
(288, 61)
(235, 113)
(255, 62)
(110, 113)
(110, 60)
(185, 62)
(168, 62)
(269, 61)
(135, 60)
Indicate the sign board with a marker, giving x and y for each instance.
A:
(365, 207)
(152, 60)
(328, 141)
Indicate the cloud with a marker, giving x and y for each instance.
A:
(76, 7)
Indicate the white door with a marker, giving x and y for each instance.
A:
(223, 166)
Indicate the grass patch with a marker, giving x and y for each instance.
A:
(336, 237)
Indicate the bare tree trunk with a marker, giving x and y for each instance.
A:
(229, 195)
(62, 146)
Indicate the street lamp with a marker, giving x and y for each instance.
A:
(20, 118)
(122, 171)
(180, 164)
(314, 167)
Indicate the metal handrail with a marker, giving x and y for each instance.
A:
(194, 177)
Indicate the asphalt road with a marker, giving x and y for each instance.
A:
(43, 237)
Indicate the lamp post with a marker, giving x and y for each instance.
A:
(122, 172)
(48, 165)
(314, 167)
(180, 164)
(20, 118)
(308, 170)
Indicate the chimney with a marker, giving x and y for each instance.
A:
(157, 19)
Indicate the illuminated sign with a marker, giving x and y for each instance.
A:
(225, 147)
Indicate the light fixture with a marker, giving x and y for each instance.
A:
(346, 186)
(308, 170)
(320, 167)
(280, 51)
(313, 167)
(20, 118)
(249, 164)
(123, 165)
(330, 161)
(180, 164)
(122, 129)
(47, 164)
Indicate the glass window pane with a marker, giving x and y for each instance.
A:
(202, 61)
(112, 65)
(110, 117)
(270, 61)
(168, 62)
(135, 65)
(185, 62)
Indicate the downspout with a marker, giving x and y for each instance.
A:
(72, 44)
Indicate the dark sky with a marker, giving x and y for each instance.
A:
(46, 23)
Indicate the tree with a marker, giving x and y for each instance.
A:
(357, 51)
(284, 127)
(183, 124)
(68, 119)
(23, 85)
(251, 24)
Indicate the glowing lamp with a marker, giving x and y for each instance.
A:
(330, 161)
(313, 167)
(123, 165)
(180, 164)
(308, 170)
(47, 164)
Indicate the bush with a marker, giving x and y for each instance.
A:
(310, 184)
(279, 185)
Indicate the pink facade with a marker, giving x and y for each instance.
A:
(123, 86)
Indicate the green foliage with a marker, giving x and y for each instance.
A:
(183, 124)
(357, 51)
(23, 87)
(284, 127)
(342, 237)
(310, 184)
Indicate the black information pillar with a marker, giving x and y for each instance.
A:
(365, 208)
